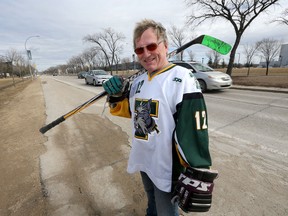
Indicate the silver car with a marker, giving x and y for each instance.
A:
(97, 77)
(208, 78)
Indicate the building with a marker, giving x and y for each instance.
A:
(283, 57)
(282, 61)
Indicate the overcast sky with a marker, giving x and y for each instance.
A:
(62, 24)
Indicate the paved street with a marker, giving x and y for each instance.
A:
(247, 137)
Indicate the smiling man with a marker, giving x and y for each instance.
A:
(169, 130)
(151, 48)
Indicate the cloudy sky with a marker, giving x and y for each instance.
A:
(62, 24)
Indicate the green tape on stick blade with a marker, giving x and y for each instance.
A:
(216, 44)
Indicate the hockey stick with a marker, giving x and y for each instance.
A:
(211, 42)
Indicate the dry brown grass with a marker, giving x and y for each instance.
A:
(277, 77)
(258, 71)
(8, 82)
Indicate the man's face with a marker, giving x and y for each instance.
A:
(151, 60)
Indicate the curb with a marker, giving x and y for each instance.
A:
(259, 88)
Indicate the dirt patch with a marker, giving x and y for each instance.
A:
(22, 113)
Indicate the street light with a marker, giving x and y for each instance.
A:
(238, 60)
(133, 57)
(29, 55)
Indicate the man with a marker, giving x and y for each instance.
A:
(169, 123)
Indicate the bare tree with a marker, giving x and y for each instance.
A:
(210, 59)
(223, 64)
(101, 60)
(3, 66)
(51, 70)
(109, 42)
(239, 13)
(21, 66)
(283, 19)
(89, 56)
(191, 55)
(214, 57)
(14, 62)
(77, 63)
(250, 51)
(117, 61)
(126, 62)
(12, 57)
(178, 37)
(270, 49)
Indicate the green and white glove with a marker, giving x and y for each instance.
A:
(114, 86)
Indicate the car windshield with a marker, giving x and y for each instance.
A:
(201, 67)
(100, 72)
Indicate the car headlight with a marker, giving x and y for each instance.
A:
(212, 77)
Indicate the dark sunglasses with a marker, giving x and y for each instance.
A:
(150, 47)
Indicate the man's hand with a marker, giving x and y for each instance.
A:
(194, 189)
(114, 85)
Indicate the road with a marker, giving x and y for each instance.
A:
(258, 118)
(248, 139)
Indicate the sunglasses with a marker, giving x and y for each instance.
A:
(150, 47)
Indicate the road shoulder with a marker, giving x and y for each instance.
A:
(22, 113)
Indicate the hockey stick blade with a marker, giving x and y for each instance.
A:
(206, 40)
(216, 44)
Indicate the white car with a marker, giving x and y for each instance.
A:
(97, 77)
(208, 78)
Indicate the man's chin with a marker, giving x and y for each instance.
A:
(150, 68)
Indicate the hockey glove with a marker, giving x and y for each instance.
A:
(117, 89)
(114, 85)
(194, 188)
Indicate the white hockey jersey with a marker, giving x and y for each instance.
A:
(155, 105)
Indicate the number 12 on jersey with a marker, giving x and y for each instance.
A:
(201, 120)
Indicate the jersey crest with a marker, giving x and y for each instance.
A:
(144, 123)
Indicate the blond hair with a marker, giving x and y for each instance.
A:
(145, 24)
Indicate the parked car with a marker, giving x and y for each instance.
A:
(208, 78)
(82, 74)
(97, 77)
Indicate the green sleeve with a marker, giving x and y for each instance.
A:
(191, 132)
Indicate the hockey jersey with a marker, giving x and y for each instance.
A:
(169, 125)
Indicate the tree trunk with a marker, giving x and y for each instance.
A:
(248, 72)
(233, 53)
(267, 68)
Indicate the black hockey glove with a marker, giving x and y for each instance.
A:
(194, 188)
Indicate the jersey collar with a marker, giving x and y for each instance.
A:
(155, 73)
